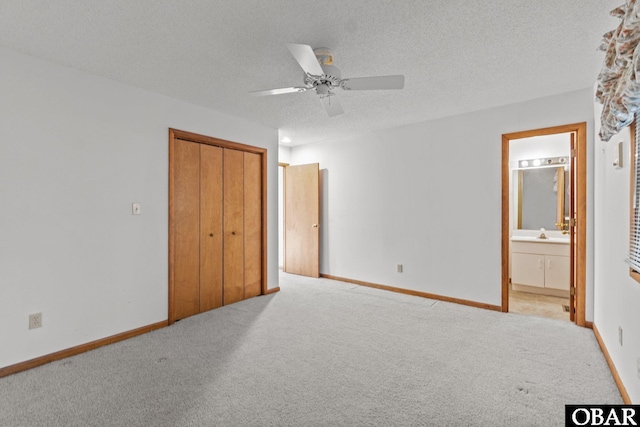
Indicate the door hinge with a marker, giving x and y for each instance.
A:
(573, 222)
(573, 152)
(572, 291)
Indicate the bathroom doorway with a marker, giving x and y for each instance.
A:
(544, 222)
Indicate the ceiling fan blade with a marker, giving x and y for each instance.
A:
(278, 91)
(306, 58)
(331, 105)
(373, 83)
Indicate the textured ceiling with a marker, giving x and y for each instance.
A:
(457, 55)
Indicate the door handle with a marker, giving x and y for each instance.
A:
(315, 225)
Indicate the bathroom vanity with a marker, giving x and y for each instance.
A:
(540, 265)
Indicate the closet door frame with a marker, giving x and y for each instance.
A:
(175, 134)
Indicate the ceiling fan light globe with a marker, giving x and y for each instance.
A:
(322, 90)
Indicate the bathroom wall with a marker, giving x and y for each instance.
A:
(539, 146)
(557, 145)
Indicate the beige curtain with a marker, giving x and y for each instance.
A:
(619, 80)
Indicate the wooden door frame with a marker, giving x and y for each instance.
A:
(580, 258)
(208, 140)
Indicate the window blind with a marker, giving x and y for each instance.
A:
(634, 245)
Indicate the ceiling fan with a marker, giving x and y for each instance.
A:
(323, 77)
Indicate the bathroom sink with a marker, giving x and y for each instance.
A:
(534, 239)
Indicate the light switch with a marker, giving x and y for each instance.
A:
(618, 153)
(135, 208)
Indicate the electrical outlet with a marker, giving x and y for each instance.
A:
(620, 334)
(399, 268)
(639, 368)
(135, 209)
(35, 321)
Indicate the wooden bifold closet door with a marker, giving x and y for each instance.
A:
(216, 227)
(210, 228)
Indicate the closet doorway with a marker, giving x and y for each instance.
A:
(217, 223)
(544, 253)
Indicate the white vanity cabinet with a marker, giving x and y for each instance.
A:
(556, 271)
(540, 263)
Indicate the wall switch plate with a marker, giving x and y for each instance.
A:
(35, 321)
(620, 334)
(399, 268)
(618, 153)
(135, 208)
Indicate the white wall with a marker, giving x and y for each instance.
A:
(76, 151)
(284, 156)
(429, 196)
(617, 296)
(280, 217)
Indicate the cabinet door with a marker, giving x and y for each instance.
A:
(252, 225)
(210, 227)
(233, 281)
(557, 272)
(186, 228)
(527, 269)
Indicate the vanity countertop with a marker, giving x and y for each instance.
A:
(531, 239)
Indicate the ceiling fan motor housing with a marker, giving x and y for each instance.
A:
(331, 77)
(322, 77)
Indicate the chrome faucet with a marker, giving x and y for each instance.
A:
(542, 235)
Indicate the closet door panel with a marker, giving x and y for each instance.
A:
(210, 227)
(186, 217)
(233, 289)
(252, 225)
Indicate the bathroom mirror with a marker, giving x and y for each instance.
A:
(542, 193)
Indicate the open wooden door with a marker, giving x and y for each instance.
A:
(572, 229)
(302, 220)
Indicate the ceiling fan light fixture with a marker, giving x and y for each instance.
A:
(323, 90)
(323, 77)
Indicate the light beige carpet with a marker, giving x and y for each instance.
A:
(323, 353)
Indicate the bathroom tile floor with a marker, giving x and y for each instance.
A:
(538, 305)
